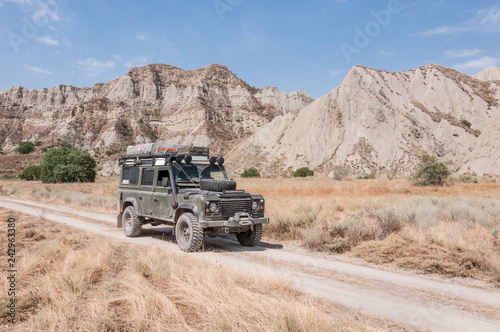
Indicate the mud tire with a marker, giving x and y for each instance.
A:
(131, 223)
(188, 233)
(251, 237)
(217, 185)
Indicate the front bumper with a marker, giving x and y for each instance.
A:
(240, 219)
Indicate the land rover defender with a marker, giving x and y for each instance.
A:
(186, 188)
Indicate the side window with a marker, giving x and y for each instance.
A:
(147, 176)
(162, 173)
(130, 176)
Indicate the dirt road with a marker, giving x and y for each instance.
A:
(418, 302)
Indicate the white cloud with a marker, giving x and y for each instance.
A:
(20, 2)
(116, 57)
(37, 70)
(1, 4)
(141, 36)
(93, 67)
(334, 73)
(484, 20)
(480, 63)
(462, 53)
(48, 41)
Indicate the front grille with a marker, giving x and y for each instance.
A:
(232, 206)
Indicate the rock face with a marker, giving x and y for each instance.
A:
(383, 121)
(208, 106)
(374, 121)
(489, 74)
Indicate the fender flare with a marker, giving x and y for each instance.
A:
(186, 207)
(128, 201)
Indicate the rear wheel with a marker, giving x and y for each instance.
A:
(188, 233)
(131, 223)
(251, 237)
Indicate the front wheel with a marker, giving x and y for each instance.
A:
(131, 223)
(251, 237)
(188, 233)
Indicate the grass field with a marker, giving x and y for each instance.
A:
(70, 280)
(450, 230)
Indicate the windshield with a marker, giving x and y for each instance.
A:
(195, 173)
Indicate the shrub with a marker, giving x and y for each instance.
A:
(250, 173)
(303, 172)
(466, 123)
(67, 165)
(64, 144)
(340, 172)
(368, 176)
(31, 173)
(25, 148)
(108, 153)
(467, 179)
(431, 172)
(38, 143)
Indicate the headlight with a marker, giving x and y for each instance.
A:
(255, 205)
(213, 207)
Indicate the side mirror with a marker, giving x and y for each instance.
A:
(165, 182)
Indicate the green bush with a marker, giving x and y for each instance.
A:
(466, 123)
(38, 143)
(367, 176)
(31, 173)
(467, 179)
(67, 165)
(340, 172)
(250, 173)
(431, 172)
(25, 148)
(303, 172)
(108, 153)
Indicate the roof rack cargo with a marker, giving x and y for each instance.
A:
(158, 149)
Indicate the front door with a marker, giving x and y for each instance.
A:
(146, 192)
(162, 196)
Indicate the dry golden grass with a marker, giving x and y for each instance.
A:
(358, 217)
(69, 280)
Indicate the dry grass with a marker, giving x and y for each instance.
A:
(69, 280)
(362, 217)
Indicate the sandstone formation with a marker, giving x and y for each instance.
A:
(384, 122)
(208, 106)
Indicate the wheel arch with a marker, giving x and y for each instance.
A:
(126, 203)
(186, 208)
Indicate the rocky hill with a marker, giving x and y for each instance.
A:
(208, 106)
(385, 121)
(489, 74)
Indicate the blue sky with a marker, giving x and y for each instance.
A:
(293, 45)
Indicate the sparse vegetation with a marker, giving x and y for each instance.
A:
(466, 123)
(250, 173)
(25, 148)
(67, 165)
(72, 280)
(340, 172)
(393, 222)
(31, 173)
(108, 153)
(368, 176)
(431, 172)
(38, 143)
(464, 178)
(303, 172)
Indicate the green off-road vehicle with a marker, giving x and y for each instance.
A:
(183, 186)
